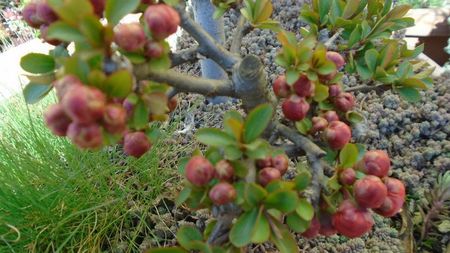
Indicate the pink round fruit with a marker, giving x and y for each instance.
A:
(337, 134)
(295, 108)
(395, 198)
(331, 116)
(172, 104)
(45, 13)
(281, 88)
(326, 224)
(57, 120)
(281, 163)
(99, 7)
(30, 16)
(352, 221)
(263, 163)
(130, 37)
(375, 162)
(303, 87)
(114, 119)
(199, 171)
(344, 102)
(335, 90)
(153, 49)
(370, 192)
(222, 193)
(313, 229)
(44, 32)
(85, 136)
(162, 20)
(224, 170)
(318, 124)
(136, 144)
(267, 175)
(336, 58)
(63, 84)
(84, 104)
(347, 176)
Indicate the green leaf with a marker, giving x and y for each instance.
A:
(409, 94)
(258, 149)
(214, 137)
(305, 210)
(304, 125)
(34, 92)
(71, 11)
(119, 84)
(296, 223)
(93, 30)
(264, 12)
(183, 196)
(233, 124)
(363, 71)
(371, 57)
(320, 93)
(77, 67)
(283, 200)
(261, 231)
(324, 8)
(350, 8)
(218, 12)
(257, 121)
(64, 32)
(242, 231)
(414, 83)
(283, 239)
(140, 116)
(355, 36)
(302, 180)
(398, 11)
(168, 250)
(254, 194)
(37, 63)
(327, 68)
(232, 152)
(348, 155)
(292, 76)
(115, 10)
(361, 151)
(354, 117)
(239, 168)
(186, 235)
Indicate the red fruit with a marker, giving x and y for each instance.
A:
(335, 90)
(172, 104)
(370, 192)
(114, 119)
(326, 224)
(281, 88)
(263, 163)
(148, 1)
(62, 85)
(352, 221)
(136, 144)
(281, 163)
(44, 30)
(375, 162)
(86, 136)
(313, 230)
(336, 58)
(162, 20)
(84, 104)
(304, 87)
(153, 49)
(331, 116)
(224, 170)
(222, 193)
(319, 124)
(329, 77)
(344, 102)
(45, 13)
(268, 175)
(199, 171)
(337, 134)
(395, 198)
(57, 120)
(99, 7)
(30, 16)
(295, 108)
(130, 37)
(347, 176)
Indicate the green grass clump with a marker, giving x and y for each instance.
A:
(57, 198)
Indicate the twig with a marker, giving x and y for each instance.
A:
(208, 46)
(184, 56)
(301, 141)
(241, 30)
(186, 83)
(224, 215)
(333, 38)
(316, 178)
(366, 88)
(172, 93)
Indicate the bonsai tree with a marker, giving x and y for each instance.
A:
(119, 82)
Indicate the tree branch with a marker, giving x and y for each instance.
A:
(184, 56)
(241, 30)
(333, 38)
(186, 83)
(208, 46)
(316, 179)
(366, 88)
(301, 141)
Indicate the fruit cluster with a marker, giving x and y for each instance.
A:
(201, 172)
(39, 15)
(298, 99)
(374, 190)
